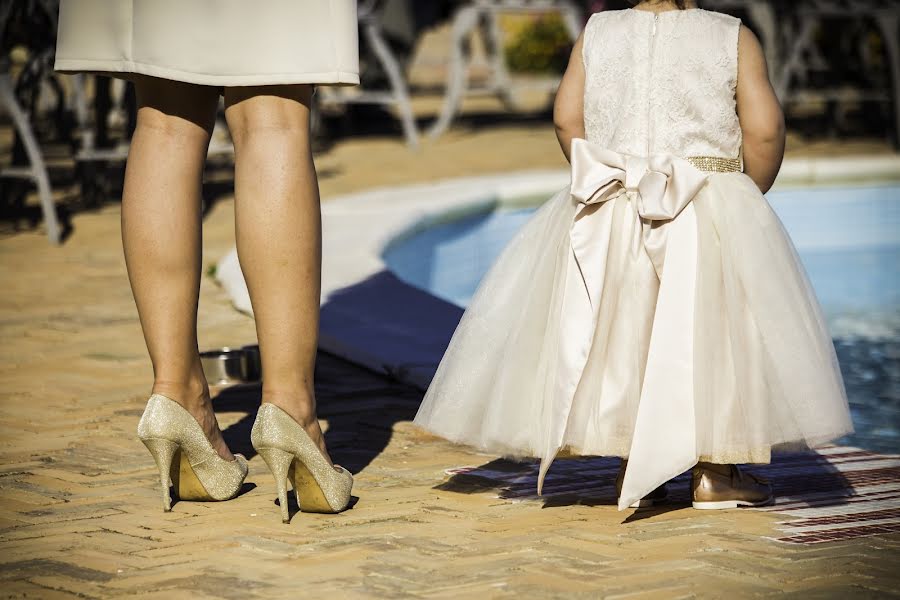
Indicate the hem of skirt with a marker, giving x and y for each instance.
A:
(759, 455)
(123, 68)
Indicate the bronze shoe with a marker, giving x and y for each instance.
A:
(725, 486)
(657, 496)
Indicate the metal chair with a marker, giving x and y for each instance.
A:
(801, 53)
(36, 170)
(485, 14)
(398, 94)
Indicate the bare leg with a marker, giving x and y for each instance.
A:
(161, 236)
(279, 239)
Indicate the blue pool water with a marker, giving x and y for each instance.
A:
(847, 238)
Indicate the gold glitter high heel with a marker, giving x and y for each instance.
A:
(291, 455)
(185, 458)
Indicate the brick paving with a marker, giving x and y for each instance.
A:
(80, 514)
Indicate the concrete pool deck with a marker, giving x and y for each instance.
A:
(80, 515)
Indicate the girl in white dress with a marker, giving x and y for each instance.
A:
(656, 309)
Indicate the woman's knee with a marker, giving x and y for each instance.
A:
(272, 111)
(175, 109)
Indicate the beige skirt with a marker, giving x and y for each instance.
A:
(212, 42)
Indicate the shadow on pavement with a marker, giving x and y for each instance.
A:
(801, 479)
(361, 408)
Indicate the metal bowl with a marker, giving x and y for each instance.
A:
(225, 366)
(254, 363)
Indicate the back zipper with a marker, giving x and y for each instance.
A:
(650, 82)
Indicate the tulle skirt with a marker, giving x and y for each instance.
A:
(755, 361)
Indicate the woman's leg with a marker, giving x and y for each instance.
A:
(278, 226)
(279, 242)
(161, 206)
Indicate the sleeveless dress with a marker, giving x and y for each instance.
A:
(655, 309)
(212, 42)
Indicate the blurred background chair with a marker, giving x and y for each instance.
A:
(370, 14)
(484, 16)
(835, 65)
(34, 71)
(845, 23)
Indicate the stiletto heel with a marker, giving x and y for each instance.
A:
(185, 458)
(279, 462)
(291, 454)
(163, 452)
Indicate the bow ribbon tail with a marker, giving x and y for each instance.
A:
(577, 305)
(665, 442)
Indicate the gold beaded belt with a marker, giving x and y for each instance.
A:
(715, 164)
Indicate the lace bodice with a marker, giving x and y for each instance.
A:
(662, 83)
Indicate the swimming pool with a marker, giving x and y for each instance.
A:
(848, 239)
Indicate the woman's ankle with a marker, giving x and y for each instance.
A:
(301, 406)
(186, 387)
(191, 394)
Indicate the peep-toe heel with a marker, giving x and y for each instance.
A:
(186, 460)
(294, 458)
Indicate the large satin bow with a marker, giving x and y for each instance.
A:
(661, 188)
(664, 185)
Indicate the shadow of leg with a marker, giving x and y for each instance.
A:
(361, 408)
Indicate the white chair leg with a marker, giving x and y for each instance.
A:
(794, 58)
(86, 144)
(763, 15)
(37, 168)
(497, 59)
(571, 18)
(397, 82)
(464, 22)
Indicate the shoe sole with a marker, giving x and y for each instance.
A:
(176, 471)
(185, 481)
(310, 497)
(726, 504)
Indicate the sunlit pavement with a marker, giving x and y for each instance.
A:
(80, 512)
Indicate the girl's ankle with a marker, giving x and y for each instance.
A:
(720, 468)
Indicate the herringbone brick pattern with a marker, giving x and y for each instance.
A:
(80, 515)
